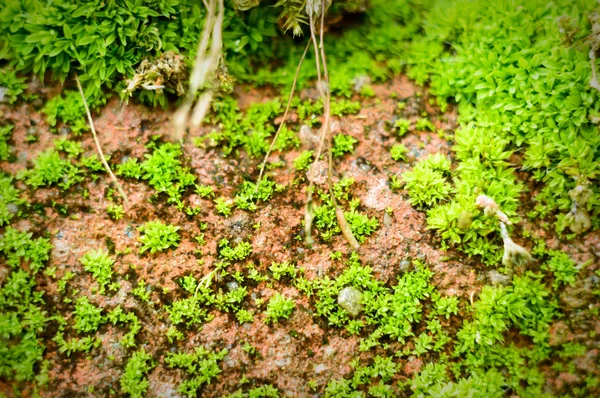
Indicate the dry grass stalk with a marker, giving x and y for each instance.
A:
(98, 147)
(323, 86)
(204, 69)
(285, 114)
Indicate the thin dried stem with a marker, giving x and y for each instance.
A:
(98, 147)
(323, 86)
(287, 109)
(204, 66)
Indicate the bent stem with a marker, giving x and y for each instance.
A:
(285, 114)
(323, 86)
(98, 147)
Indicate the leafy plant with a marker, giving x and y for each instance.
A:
(343, 144)
(133, 382)
(158, 236)
(201, 366)
(279, 307)
(11, 86)
(68, 110)
(426, 183)
(99, 263)
(88, 317)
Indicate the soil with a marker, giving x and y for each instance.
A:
(288, 353)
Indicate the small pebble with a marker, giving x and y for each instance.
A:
(404, 265)
(350, 299)
(387, 219)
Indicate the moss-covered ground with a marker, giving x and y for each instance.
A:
(466, 161)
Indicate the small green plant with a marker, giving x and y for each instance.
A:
(402, 126)
(11, 85)
(141, 291)
(158, 236)
(204, 191)
(343, 144)
(562, 267)
(303, 161)
(201, 366)
(283, 269)
(223, 206)
(279, 307)
(68, 110)
(398, 152)
(49, 168)
(116, 212)
(249, 194)
(100, 264)
(88, 317)
(238, 252)
(426, 183)
(5, 136)
(133, 381)
(9, 205)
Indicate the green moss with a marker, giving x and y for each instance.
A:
(133, 381)
(201, 366)
(427, 183)
(99, 263)
(157, 236)
(279, 307)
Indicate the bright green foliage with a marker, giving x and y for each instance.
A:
(252, 131)
(423, 124)
(17, 246)
(527, 87)
(238, 252)
(343, 106)
(398, 152)
(201, 366)
(446, 306)
(427, 183)
(12, 84)
(9, 205)
(223, 206)
(141, 291)
(193, 309)
(88, 317)
(249, 194)
(526, 306)
(563, 268)
(433, 381)
(130, 168)
(5, 136)
(22, 316)
(116, 212)
(48, 168)
(303, 161)
(343, 144)
(360, 224)
(83, 344)
(100, 264)
(163, 170)
(402, 126)
(72, 148)
(326, 221)
(389, 312)
(279, 307)
(204, 191)
(158, 236)
(281, 270)
(133, 381)
(68, 110)
(117, 315)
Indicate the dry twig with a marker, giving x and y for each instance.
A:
(104, 162)
(204, 66)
